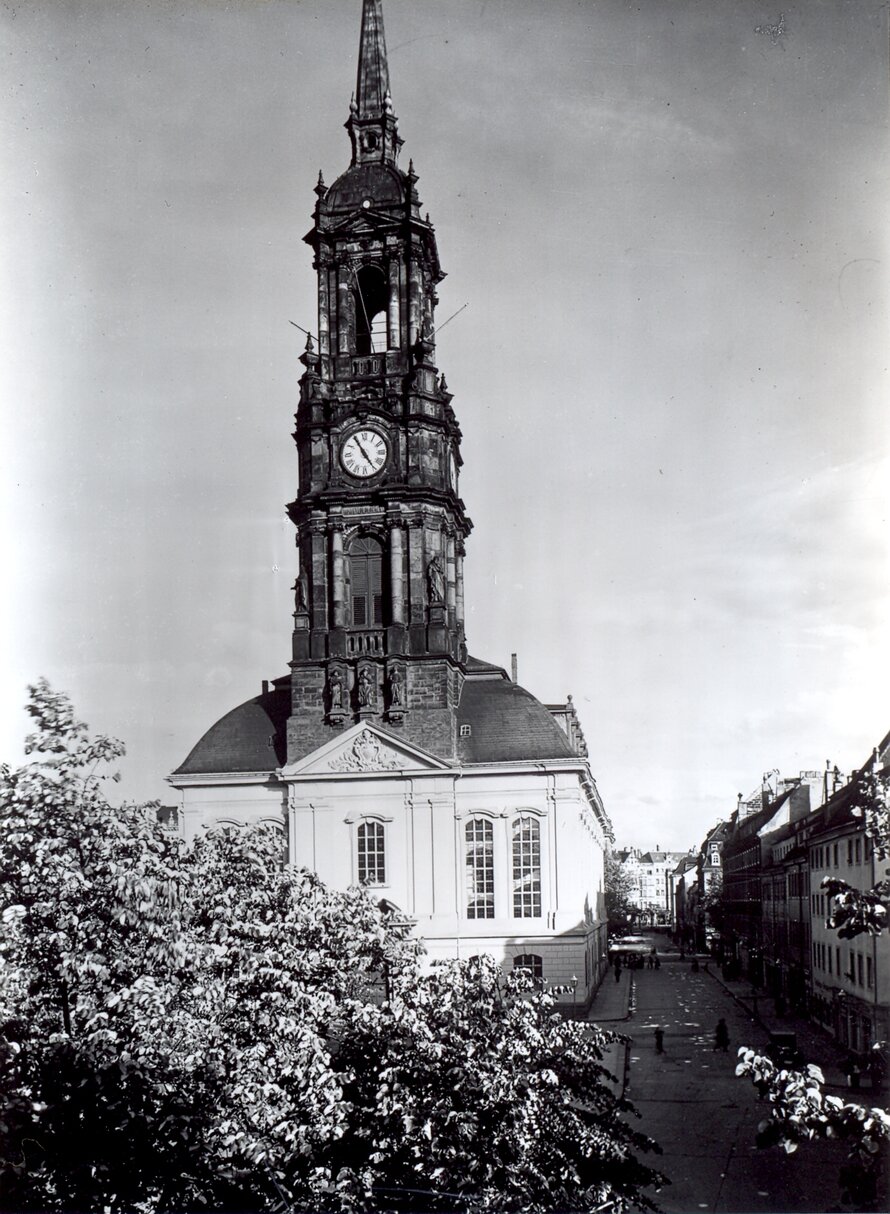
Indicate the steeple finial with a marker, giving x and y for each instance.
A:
(372, 122)
(372, 84)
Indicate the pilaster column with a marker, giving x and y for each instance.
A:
(414, 304)
(428, 328)
(459, 582)
(396, 574)
(451, 577)
(343, 311)
(324, 312)
(338, 564)
(416, 570)
(394, 337)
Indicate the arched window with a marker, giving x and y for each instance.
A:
(370, 297)
(526, 868)
(531, 962)
(480, 869)
(366, 582)
(371, 854)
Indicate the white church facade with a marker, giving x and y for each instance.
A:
(388, 755)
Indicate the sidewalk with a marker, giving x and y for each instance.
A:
(813, 1042)
(610, 1009)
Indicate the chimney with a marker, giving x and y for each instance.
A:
(265, 687)
(514, 667)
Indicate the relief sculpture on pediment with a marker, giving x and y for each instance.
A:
(366, 754)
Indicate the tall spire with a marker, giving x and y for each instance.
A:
(372, 83)
(372, 123)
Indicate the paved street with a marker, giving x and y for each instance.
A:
(691, 1102)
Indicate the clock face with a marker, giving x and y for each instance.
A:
(364, 453)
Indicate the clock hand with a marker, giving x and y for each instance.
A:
(358, 443)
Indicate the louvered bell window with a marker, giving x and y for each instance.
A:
(366, 579)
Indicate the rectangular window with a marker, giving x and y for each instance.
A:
(869, 973)
(830, 970)
(480, 869)
(858, 851)
(859, 970)
(371, 854)
(849, 851)
(837, 959)
(835, 856)
(526, 869)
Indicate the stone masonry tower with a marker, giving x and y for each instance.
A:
(379, 613)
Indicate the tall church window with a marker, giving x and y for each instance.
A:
(366, 582)
(370, 296)
(526, 868)
(371, 854)
(480, 869)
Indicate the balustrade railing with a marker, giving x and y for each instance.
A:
(365, 642)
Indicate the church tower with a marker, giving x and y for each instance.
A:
(379, 613)
(387, 756)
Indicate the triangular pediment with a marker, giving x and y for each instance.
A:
(363, 223)
(364, 750)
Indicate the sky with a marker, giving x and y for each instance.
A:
(668, 222)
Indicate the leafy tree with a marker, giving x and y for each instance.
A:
(801, 1112)
(475, 1094)
(619, 891)
(205, 1028)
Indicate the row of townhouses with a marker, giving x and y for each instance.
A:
(753, 895)
(650, 876)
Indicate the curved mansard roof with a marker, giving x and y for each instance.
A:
(506, 724)
(252, 737)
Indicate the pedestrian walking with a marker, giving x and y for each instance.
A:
(721, 1036)
(853, 1072)
(659, 1039)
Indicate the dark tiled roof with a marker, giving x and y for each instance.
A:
(249, 738)
(382, 182)
(507, 723)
